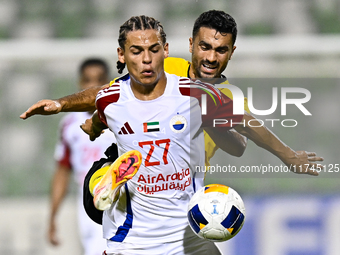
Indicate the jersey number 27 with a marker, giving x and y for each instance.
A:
(152, 148)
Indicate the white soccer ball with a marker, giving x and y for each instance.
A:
(216, 212)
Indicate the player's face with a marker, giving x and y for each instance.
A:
(93, 75)
(211, 52)
(144, 55)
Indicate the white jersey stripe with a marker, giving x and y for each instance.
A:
(107, 93)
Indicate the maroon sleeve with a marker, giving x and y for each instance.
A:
(104, 98)
(63, 151)
(65, 160)
(216, 104)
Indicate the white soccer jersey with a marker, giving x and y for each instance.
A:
(74, 148)
(152, 207)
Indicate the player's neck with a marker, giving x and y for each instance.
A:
(191, 73)
(151, 91)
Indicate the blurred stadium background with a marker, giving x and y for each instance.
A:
(281, 43)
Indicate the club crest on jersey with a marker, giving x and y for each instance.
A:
(178, 123)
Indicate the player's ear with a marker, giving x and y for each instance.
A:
(120, 53)
(232, 52)
(190, 44)
(166, 50)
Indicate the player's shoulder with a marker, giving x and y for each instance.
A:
(225, 90)
(71, 118)
(178, 66)
(120, 79)
(74, 117)
(116, 82)
(113, 91)
(224, 80)
(194, 83)
(191, 87)
(71, 122)
(67, 121)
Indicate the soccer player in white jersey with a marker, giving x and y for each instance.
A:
(150, 215)
(163, 116)
(75, 154)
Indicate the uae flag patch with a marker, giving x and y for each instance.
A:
(151, 126)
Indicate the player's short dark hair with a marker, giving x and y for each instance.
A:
(94, 62)
(138, 23)
(218, 20)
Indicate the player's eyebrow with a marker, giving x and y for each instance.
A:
(141, 47)
(209, 46)
(226, 48)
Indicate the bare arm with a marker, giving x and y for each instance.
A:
(60, 183)
(264, 138)
(78, 102)
(231, 141)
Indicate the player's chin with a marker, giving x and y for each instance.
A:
(148, 81)
(210, 75)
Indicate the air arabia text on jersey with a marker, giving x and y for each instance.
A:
(150, 184)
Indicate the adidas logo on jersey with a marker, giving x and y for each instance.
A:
(126, 129)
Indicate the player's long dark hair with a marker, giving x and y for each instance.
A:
(218, 20)
(138, 23)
